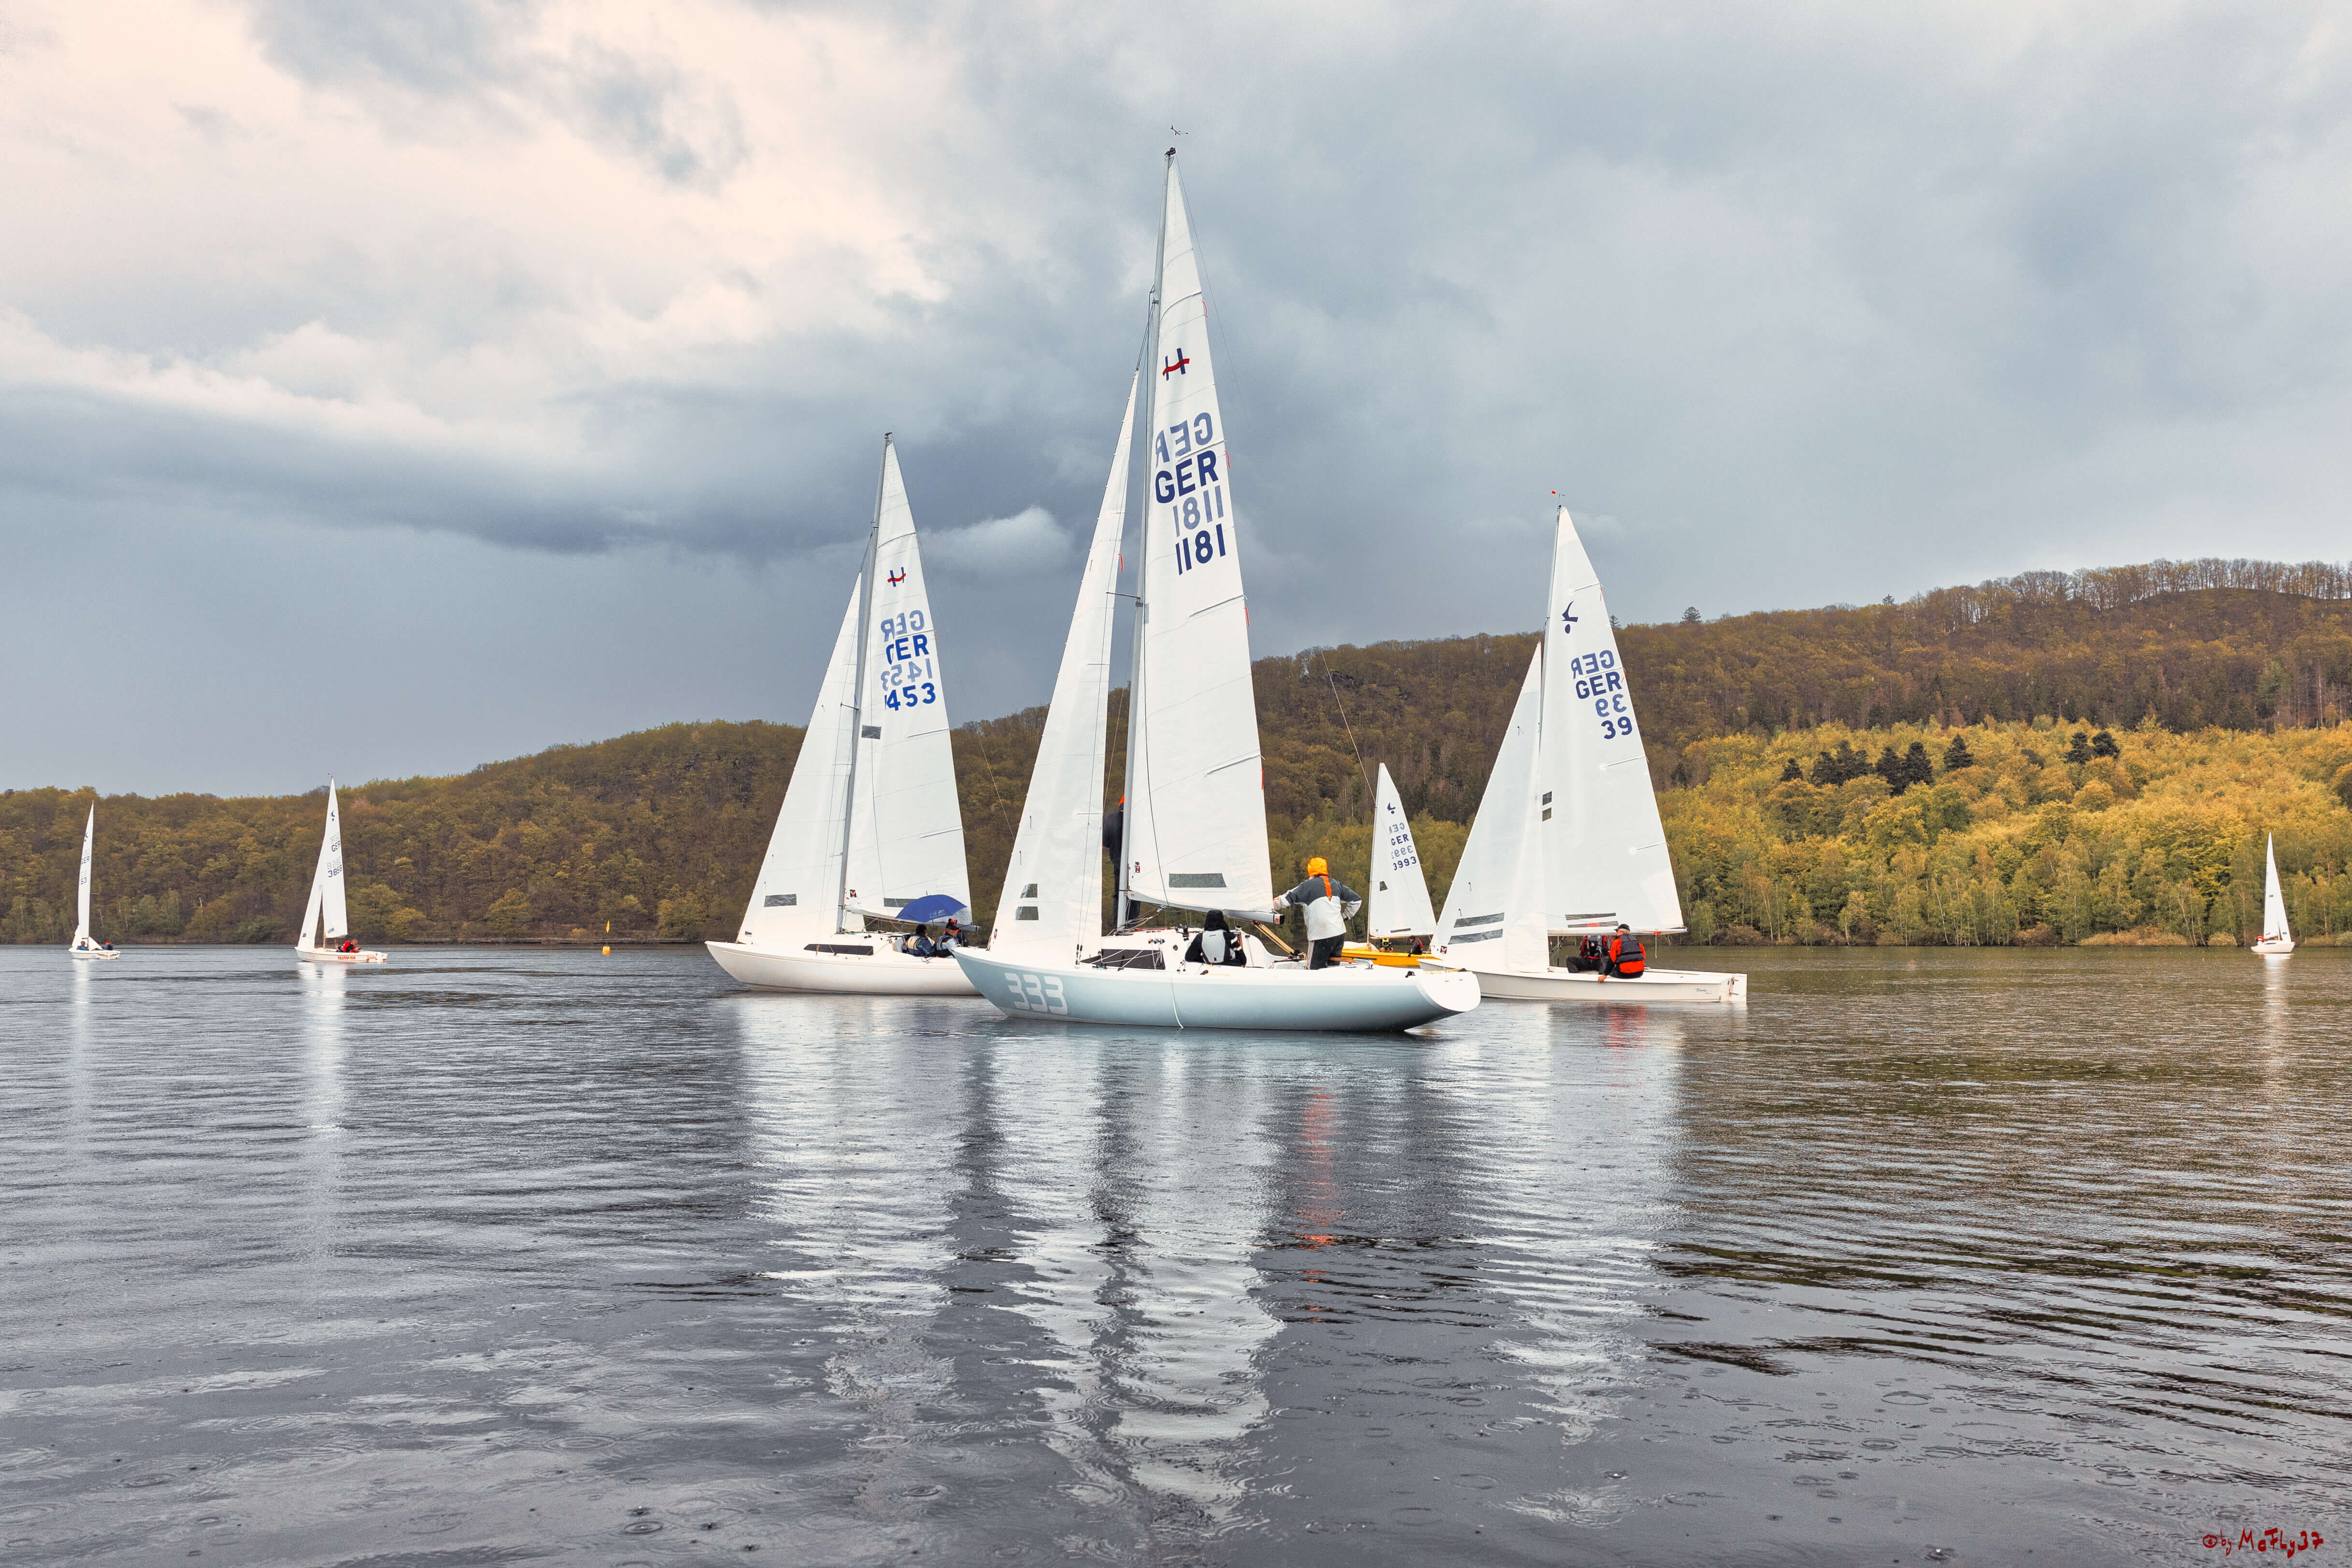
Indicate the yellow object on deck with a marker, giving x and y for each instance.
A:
(1384, 959)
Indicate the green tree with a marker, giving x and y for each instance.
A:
(511, 914)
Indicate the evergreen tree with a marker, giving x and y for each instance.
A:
(1891, 769)
(2103, 744)
(1791, 772)
(2080, 751)
(1916, 768)
(1825, 771)
(1691, 617)
(1958, 756)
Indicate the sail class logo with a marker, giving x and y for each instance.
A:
(1568, 616)
(895, 578)
(1177, 366)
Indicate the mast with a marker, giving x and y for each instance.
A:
(1137, 481)
(857, 693)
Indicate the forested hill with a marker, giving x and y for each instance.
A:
(661, 832)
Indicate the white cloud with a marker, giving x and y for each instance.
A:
(1028, 543)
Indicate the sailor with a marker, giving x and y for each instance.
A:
(923, 946)
(1626, 959)
(1329, 905)
(951, 936)
(1216, 943)
(1590, 959)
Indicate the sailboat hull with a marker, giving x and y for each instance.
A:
(880, 971)
(1350, 998)
(93, 953)
(327, 955)
(1652, 985)
(2276, 946)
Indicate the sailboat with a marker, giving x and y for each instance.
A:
(84, 944)
(327, 906)
(1568, 841)
(2277, 940)
(871, 824)
(1397, 908)
(1192, 834)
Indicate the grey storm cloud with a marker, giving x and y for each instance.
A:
(1810, 304)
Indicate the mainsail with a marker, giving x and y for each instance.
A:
(906, 830)
(799, 886)
(81, 900)
(1195, 823)
(1053, 886)
(1493, 911)
(1604, 850)
(2273, 900)
(327, 884)
(1398, 904)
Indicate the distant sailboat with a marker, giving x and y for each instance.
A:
(84, 945)
(1194, 831)
(327, 905)
(1568, 841)
(2277, 939)
(1397, 907)
(871, 824)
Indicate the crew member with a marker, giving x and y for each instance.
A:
(923, 946)
(1216, 943)
(951, 936)
(1626, 959)
(1330, 905)
(1590, 959)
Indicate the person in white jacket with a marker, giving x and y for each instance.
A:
(1329, 906)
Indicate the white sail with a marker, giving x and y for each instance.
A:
(1398, 903)
(906, 839)
(327, 881)
(81, 900)
(1495, 911)
(2274, 927)
(799, 881)
(1196, 788)
(1053, 886)
(1604, 850)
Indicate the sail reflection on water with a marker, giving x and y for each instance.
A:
(855, 1153)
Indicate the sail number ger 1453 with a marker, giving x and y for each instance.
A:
(910, 678)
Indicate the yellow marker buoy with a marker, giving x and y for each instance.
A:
(608, 953)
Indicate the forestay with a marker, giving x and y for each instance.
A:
(1196, 797)
(1494, 912)
(797, 896)
(906, 838)
(1052, 904)
(1604, 850)
(1398, 904)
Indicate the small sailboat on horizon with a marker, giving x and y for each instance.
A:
(2277, 940)
(84, 944)
(872, 826)
(1192, 834)
(1568, 841)
(328, 907)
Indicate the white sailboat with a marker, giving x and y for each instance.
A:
(1397, 908)
(327, 905)
(1194, 827)
(2277, 940)
(871, 824)
(84, 944)
(1567, 840)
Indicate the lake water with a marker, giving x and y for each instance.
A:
(1991, 1257)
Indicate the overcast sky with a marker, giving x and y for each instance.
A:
(391, 388)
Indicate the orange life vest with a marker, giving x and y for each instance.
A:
(1626, 955)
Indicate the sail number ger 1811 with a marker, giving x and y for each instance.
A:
(1190, 486)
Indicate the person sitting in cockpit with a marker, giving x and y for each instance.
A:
(1216, 943)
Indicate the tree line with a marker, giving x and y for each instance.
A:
(1987, 695)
